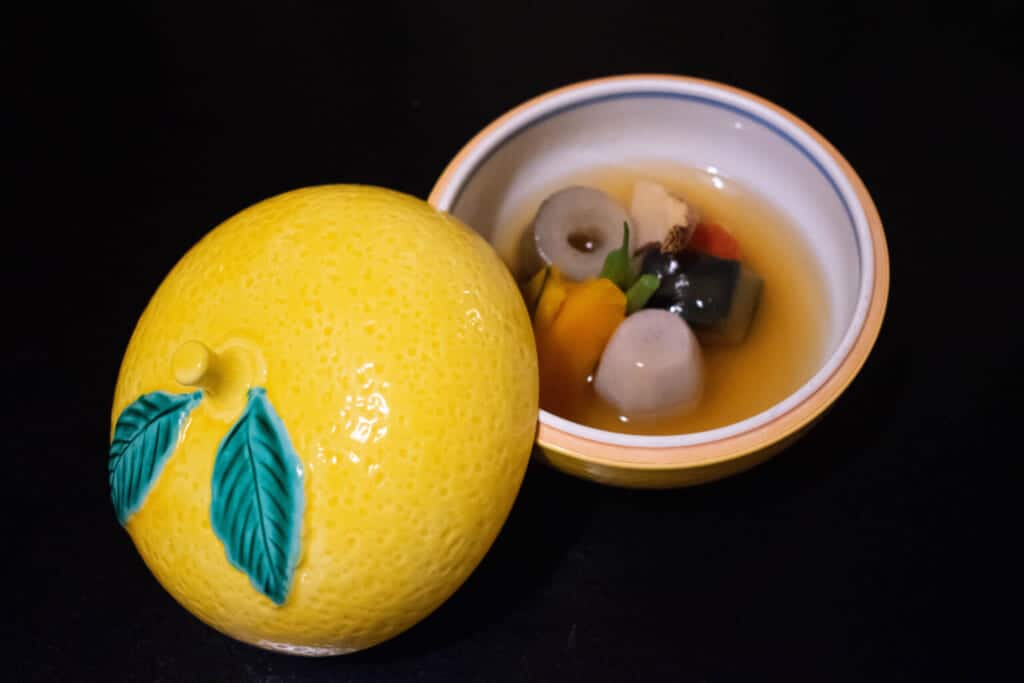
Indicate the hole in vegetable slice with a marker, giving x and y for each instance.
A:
(575, 228)
(585, 239)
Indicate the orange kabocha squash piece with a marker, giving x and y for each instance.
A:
(572, 324)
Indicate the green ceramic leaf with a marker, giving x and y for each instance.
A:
(144, 437)
(256, 510)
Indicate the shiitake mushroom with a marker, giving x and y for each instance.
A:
(661, 217)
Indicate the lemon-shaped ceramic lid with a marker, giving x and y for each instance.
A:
(323, 417)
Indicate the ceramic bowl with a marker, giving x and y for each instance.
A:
(742, 137)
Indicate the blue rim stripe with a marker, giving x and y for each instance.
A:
(676, 96)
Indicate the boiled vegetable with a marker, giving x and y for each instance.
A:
(660, 217)
(572, 324)
(718, 297)
(576, 228)
(641, 291)
(734, 327)
(556, 289)
(651, 367)
(696, 285)
(618, 266)
(710, 238)
(533, 288)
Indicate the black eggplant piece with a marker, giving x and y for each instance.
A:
(717, 297)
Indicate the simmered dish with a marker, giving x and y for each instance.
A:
(666, 304)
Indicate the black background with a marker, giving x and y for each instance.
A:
(875, 549)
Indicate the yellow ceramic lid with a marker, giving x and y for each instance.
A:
(323, 417)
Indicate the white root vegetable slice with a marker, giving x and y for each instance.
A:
(652, 367)
(575, 228)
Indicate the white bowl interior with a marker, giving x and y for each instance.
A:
(692, 124)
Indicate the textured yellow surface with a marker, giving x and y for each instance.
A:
(398, 352)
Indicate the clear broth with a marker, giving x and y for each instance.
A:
(786, 340)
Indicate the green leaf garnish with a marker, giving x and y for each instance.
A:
(641, 291)
(617, 265)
